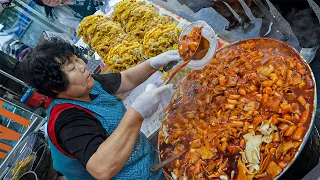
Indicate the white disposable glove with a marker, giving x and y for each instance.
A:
(164, 59)
(147, 103)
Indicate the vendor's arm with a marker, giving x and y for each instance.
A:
(83, 136)
(133, 77)
(114, 152)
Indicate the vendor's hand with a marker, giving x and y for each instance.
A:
(164, 59)
(147, 103)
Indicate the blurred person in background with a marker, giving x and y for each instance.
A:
(71, 12)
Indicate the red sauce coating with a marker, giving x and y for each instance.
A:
(246, 84)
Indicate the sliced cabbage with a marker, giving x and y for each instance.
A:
(224, 177)
(267, 128)
(267, 139)
(252, 151)
(253, 155)
(252, 140)
(253, 167)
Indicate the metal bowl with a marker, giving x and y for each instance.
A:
(284, 49)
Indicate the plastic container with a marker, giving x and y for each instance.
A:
(213, 40)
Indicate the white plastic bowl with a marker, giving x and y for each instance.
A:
(210, 35)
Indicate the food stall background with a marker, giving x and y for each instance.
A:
(236, 25)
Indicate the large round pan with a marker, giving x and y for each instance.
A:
(284, 49)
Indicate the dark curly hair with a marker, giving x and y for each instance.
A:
(43, 64)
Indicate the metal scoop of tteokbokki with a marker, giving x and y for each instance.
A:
(207, 47)
(189, 45)
(197, 45)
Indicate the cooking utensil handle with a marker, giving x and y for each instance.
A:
(174, 72)
(166, 81)
(164, 163)
(170, 65)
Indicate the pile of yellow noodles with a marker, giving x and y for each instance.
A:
(123, 56)
(138, 18)
(88, 26)
(142, 19)
(161, 39)
(134, 22)
(101, 34)
(123, 10)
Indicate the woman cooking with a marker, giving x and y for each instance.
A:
(91, 134)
